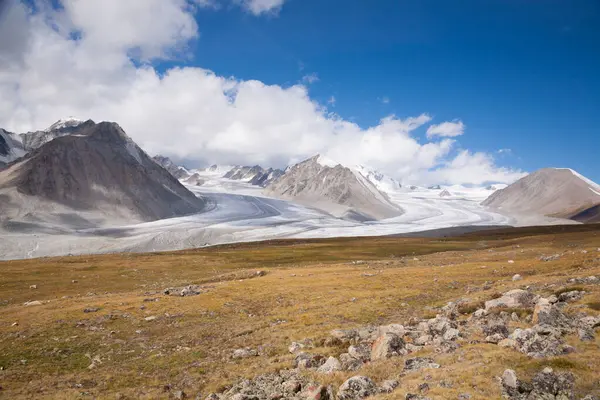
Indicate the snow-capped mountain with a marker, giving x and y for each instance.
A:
(11, 147)
(556, 192)
(66, 123)
(255, 175)
(341, 191)
(381, 181)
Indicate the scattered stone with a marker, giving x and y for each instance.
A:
(553, 257)
(151, 318)
(546, 313)
(517, 277)
(388, 386)
(307, 361)
(244, 353)
(573, 295)
(179, 395)
(32, 303)
(91, 310)
(386, 346)
(330, 366)
(295, 347)
(360, 352)
(345, 335)
(590, 280)
(423, 388)
(586, 334)
(350, 363)
(464, 396)
(540, 341)
(511, 261)
(316, 392)
(190, 290)
(412, 396)
(32, 286)
(357, 387)
(418, 363)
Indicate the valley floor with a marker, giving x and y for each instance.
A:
(239, 212)
(101, 326)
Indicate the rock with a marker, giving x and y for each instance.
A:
(345, 335)
(418, 363)
(515, 317)
(151, 318)
(510, 384)
(190, 290)
(517, 277)
(464, 396)
(32, 286)
(91, 310)
(295, 347)
(317, 392)
(32, 303)
(516, 298)
(357, 387)
(244, 353)
(423, 388)
(412, 396)
(479, 313)
(546, 313)
(511, 261)
(539, 342)
(586, 334)
(350, 363)
(508, 343)
(450, 310)
(307, 361)
(573, 295)
(547, 382)
(396, 329)
(496, 327)
(451, 334)
(330, 366)
(212, 396)
(552, 299)
(360, 352)
(553, 257)
(386, 346)
(388, 386)
(423, 340)
(179, 395)
(495, 338)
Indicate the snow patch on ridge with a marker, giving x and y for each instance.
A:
(590, 182)
(69, 122)
(326, 162)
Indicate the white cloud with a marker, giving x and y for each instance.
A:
(446, 129)
(260, 7)
(385, 100)
(310, 78)
(192, 113)
(331, 101)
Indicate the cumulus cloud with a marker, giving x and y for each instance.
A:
(259, 7)
(310, 78)
(446, 129)
(72, 64)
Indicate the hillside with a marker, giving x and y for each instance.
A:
(107, 328)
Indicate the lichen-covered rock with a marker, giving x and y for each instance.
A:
(386, 346)
(516, 298)
(330, 366)
(357, 387)
(307, 361)
(244, 353)
(546, 313)
(418, 363)
(388, 386)
(573, 295)
(540, 341)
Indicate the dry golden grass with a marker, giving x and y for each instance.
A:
(311, 287)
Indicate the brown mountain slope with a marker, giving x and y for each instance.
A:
(98, 167)
(556, 192)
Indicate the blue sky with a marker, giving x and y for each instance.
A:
(522, 75)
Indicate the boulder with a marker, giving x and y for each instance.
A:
(360, 352)
(357, 387)
(516, 298)
(386, 346)
(244, 353)
(317, 392)
(573, 295)
(388, 386)
(540, 341)
(546, 313)
(517, 277)
(350, 363)
(418, 363)
(344, 335)
(307, 361)
(330, 366)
